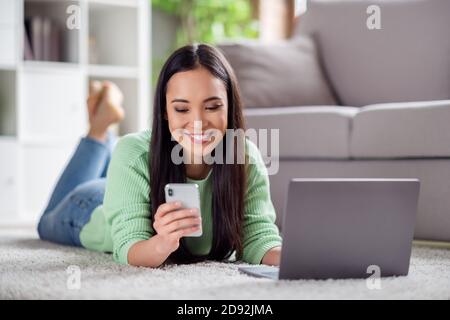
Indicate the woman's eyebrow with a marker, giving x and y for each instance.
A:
(187, 101)
(179, 100)
(212, 98)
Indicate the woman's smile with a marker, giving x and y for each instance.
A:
(199, 138)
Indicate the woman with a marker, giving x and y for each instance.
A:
(125, 213)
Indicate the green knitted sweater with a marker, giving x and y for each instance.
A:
(124, 217)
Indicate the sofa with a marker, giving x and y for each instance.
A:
(391, 112)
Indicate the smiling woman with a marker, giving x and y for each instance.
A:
(197, 104)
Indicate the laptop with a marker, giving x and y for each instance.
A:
(345, 228)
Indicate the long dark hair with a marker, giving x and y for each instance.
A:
(229, 180)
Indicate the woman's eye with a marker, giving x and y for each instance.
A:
(182, 110)
(214, 107)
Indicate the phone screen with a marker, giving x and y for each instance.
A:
(189, 196)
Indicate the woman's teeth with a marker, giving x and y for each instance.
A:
(199, 137)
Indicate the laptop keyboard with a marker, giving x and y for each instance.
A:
(270, 273)
(261, 271)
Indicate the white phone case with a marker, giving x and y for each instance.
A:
(189, 196)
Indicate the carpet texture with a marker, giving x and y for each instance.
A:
(34, 269)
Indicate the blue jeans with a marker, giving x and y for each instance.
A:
(79, 190)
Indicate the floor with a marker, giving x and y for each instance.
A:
(33, 269)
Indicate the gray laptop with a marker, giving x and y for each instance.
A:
(345, 228)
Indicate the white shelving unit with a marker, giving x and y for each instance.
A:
(42, 103)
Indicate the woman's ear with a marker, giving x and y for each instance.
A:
(165, 116)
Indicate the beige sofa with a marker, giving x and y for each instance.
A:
(392, 118)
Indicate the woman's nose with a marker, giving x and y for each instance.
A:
(199, 120)
(198, 125)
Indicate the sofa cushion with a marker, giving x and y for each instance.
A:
(284, 73)
(407, 60)
(402, 130)
(306, 132)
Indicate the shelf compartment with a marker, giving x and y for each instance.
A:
(8, 12)
(8, 114)
(112, 28)
(69, 39)
(8, 178)
(40, 169)
(53, 105)
(7, 45)
(129, 88)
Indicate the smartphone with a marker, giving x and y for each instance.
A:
(189, 196)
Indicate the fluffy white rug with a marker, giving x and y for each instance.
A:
(33, 269)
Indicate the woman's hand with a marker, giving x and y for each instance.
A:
(172, 222)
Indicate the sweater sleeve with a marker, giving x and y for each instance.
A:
(260, 233)
(127, 199)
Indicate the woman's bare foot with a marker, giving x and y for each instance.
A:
(104, 108)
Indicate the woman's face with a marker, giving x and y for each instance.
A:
(197, 109)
